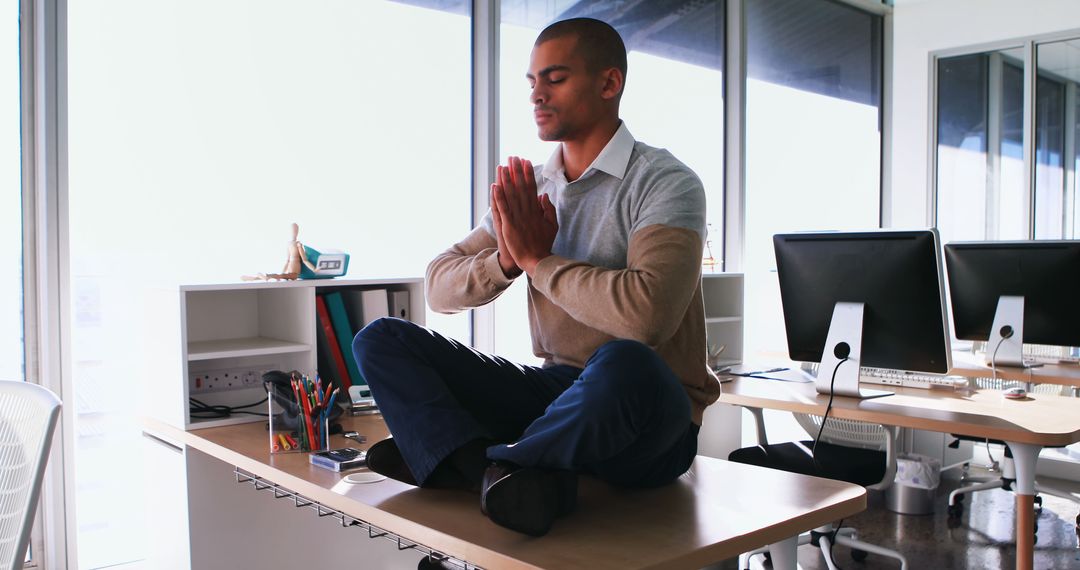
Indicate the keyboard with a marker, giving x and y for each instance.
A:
(906, 379)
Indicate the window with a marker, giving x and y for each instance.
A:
(674, 99)
(1056, 124)
(813, 138)
(197, 137)
(11, 223)
(984, 189)
(980, 159)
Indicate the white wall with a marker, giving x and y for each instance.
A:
(920, 28)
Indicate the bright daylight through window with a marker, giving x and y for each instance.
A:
(196, 138)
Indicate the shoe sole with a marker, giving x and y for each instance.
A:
(525, 501)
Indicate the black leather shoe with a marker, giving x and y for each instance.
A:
(525, 499)
(385, 458)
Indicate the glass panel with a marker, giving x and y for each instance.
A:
(1008, 214)
(11, 223)
(962, 144)
(980, 102)
(1055, 138)
(667, 46)
(1049, 154)
(196, 138)
(813, 137)
(1072, 203)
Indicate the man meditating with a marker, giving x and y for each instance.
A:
(609, 235)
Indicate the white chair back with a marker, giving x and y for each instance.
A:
(28, 416)
(848, 433)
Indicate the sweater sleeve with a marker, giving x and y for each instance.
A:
(467, 275)
(644, 302)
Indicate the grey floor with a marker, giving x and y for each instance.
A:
(981, 539)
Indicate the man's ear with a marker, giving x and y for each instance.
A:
(611, 85)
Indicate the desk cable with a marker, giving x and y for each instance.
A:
(202, 410)
(1006, 333)
(841, 352)
(828, 408)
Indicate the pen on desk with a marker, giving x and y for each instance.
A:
(307, 418)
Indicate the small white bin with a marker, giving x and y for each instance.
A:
(915, 485)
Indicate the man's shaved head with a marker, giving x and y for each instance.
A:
(597, 42)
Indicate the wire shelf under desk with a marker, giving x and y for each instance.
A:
(300, 501)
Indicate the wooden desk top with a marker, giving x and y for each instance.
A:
(1039, 419)
(716, 511)
(968, 364)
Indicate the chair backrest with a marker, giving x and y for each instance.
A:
(28, 416)
(848, 433)
(851, 433)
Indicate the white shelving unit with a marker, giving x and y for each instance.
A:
(723, 295)
(239, 331)
(233, 327)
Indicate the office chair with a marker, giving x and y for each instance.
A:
(855, 452)
(28, 416)
(1008, 471)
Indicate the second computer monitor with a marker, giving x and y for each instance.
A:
(893, 277)
(1043, 275)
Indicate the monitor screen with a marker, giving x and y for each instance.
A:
(896, 274)
(1045, 273)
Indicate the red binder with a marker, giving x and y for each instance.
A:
(337, 360)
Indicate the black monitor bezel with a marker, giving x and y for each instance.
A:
(976, 285)
(806, 341)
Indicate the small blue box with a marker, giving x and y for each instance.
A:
(328, 265)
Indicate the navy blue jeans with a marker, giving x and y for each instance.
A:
(624, 418)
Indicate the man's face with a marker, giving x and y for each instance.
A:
(566, 97)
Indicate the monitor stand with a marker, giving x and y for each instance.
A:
(844, 340)
(1005, 347)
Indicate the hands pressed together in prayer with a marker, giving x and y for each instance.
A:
(525, 224)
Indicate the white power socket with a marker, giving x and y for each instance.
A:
(226, 379)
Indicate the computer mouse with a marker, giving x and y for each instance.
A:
(1015, 393)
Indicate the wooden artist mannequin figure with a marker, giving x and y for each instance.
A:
(294, 256)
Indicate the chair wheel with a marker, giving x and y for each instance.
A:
(1038, 500)
(954, 511)
(858, 555)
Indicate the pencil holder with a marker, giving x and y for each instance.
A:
(301, 412)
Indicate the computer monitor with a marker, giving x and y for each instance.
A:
(1013, 292)
(873, 298)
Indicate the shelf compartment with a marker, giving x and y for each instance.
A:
(240, 347)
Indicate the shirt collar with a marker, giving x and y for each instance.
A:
(613, 159)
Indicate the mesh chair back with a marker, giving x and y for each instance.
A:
(28, 415)
(848, 433)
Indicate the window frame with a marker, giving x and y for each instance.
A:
(1029, 45)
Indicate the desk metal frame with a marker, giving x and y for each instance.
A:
(1027, 426)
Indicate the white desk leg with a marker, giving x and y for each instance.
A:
(1024, 458)
(784, 554)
